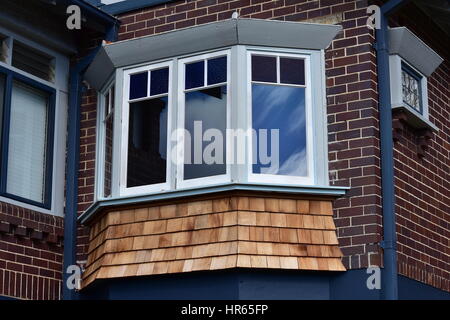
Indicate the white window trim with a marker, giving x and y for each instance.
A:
(159, 187)
(238, 117)
(395, 66)
(181, 183)
(272, 178)
(61, 87)
(100, 147)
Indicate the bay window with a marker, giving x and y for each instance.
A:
(181, 119)
(241, 106)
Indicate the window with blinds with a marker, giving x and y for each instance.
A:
(26, 172)
(33, 61)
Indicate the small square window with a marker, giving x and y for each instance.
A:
(138, 85)
(411, 91)
(292, 71)
(159, 81)
(217, 70)
(264, 69)
(195, 75)
(33, 61)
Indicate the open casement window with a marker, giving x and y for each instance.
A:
(203, 118)
(27, 113)
(279, 92)
(146, 129)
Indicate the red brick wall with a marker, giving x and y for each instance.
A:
(30, 253)
(423, 183)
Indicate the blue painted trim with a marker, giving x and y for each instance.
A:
(72, 161)
(10, 77)
(389, 243)
(91, 9)
(130, 5)
(168, 195)
(393, 5)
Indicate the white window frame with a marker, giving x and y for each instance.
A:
(159, 187)
(223, 178)
(272, 178)
(395, 66)
(101, 135)
(61, 86)
(239, 109)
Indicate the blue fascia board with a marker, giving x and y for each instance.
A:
(90, 8)
(130, 5)
(325, 191)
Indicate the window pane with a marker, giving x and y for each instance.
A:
(411, 90)
(208, 107)
(2, 94)
(138, 85)
(27, 143)
(264, 69)
(292, 71)
(108, 132)
(195, 75)
(159, 82)
(217, 70)
(282, 108)
(32, 61)
(147, 142)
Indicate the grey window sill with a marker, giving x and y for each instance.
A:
(415, 119)
(328, 191)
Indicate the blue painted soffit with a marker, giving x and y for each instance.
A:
(126, 5)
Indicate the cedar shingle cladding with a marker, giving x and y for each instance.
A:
(227, 232)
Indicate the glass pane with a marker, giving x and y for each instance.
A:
(281, 108)
(107, 104)
(32, 61)
(138, 85)
(411, 90)
(205, 109)
(159, 81)
(109, 132)
(264, 69)
(27, 143)
(195, 74)
(147, 142)
(292, 71)
(217, 70)
(2, 94)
